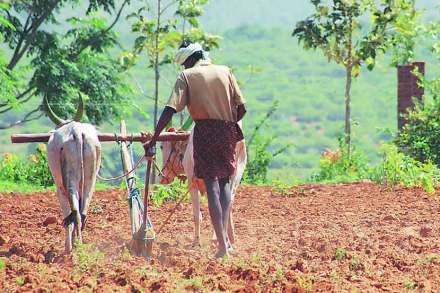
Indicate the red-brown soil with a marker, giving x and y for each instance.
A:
(323, 238)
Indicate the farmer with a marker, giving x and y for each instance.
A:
(215, 103)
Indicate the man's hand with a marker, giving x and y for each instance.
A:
(165, 118)
(150, 149)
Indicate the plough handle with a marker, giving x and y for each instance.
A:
(147, 190)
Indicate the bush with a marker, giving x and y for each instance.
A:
(419, 138)
(397, 168)
(257, 168)
(336, 166)
(170, 192)
(33, 170)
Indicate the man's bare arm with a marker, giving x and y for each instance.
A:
(164, 119)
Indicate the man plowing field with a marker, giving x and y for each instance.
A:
(215, 103)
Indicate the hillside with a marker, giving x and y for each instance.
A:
(309, 89)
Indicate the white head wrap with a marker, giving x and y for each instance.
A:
(184, 53)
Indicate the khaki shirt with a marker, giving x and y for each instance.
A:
(209, 91)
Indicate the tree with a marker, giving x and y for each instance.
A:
(338, 28)
(160, 32)
(60, 65)
(420, 138)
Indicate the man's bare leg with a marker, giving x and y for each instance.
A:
(225, 201)
(216, 213)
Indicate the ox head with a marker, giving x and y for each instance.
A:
(172, 159)
(59, 121)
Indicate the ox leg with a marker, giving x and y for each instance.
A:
(195, 198)
(65, 208)
(231, 230)
(90, 171)
(76, 215)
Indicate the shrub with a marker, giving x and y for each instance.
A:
(397, 168)
(258, 150)
(33, 170)
(419, 138)
(336, 166)
(170, 192)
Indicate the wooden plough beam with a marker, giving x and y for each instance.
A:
(104, 137)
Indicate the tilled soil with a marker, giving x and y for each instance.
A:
(320, 238)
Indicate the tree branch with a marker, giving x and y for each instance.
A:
(30, 37)
(22, 37)
(21, 102)
(105, 31)
(117, 17)
(26, 118)
(20, 96)
(168, 6)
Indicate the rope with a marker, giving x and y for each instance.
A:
(123, 175)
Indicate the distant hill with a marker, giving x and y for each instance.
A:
(310, 90)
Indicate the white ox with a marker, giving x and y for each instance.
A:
(74, 155)
(178, 162)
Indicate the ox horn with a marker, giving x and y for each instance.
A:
(52, 116)
(80, 110)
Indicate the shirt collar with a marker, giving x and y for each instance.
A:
(203, 62)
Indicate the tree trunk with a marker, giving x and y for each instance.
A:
(348, 110)
(156, 77)
(349, 69)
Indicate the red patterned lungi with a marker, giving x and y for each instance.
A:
(214, 148)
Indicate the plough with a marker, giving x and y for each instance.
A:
(142, 231)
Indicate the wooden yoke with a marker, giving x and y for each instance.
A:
(104, 137)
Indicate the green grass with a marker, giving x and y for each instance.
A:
(8, 186)
(2, 263)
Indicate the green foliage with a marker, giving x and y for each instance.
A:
(338, 29)
(259, 154)
(86, 257)
(410, 284)
(2, 263)
(337, 166)
(59, 65)
(170, 192)
(282, 188)
(397, 168)
(33, 170)
(159, 34)
(419, 138)
(20, 281)
(340, 253)
(407, 28)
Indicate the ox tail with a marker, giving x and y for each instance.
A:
(80, 145)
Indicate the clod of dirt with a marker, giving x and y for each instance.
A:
(389, 218)
(425, 231)
(49, 256)
(155, 286)
(299, 265)
(50, 220)
(4, 239)
(188, 273)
